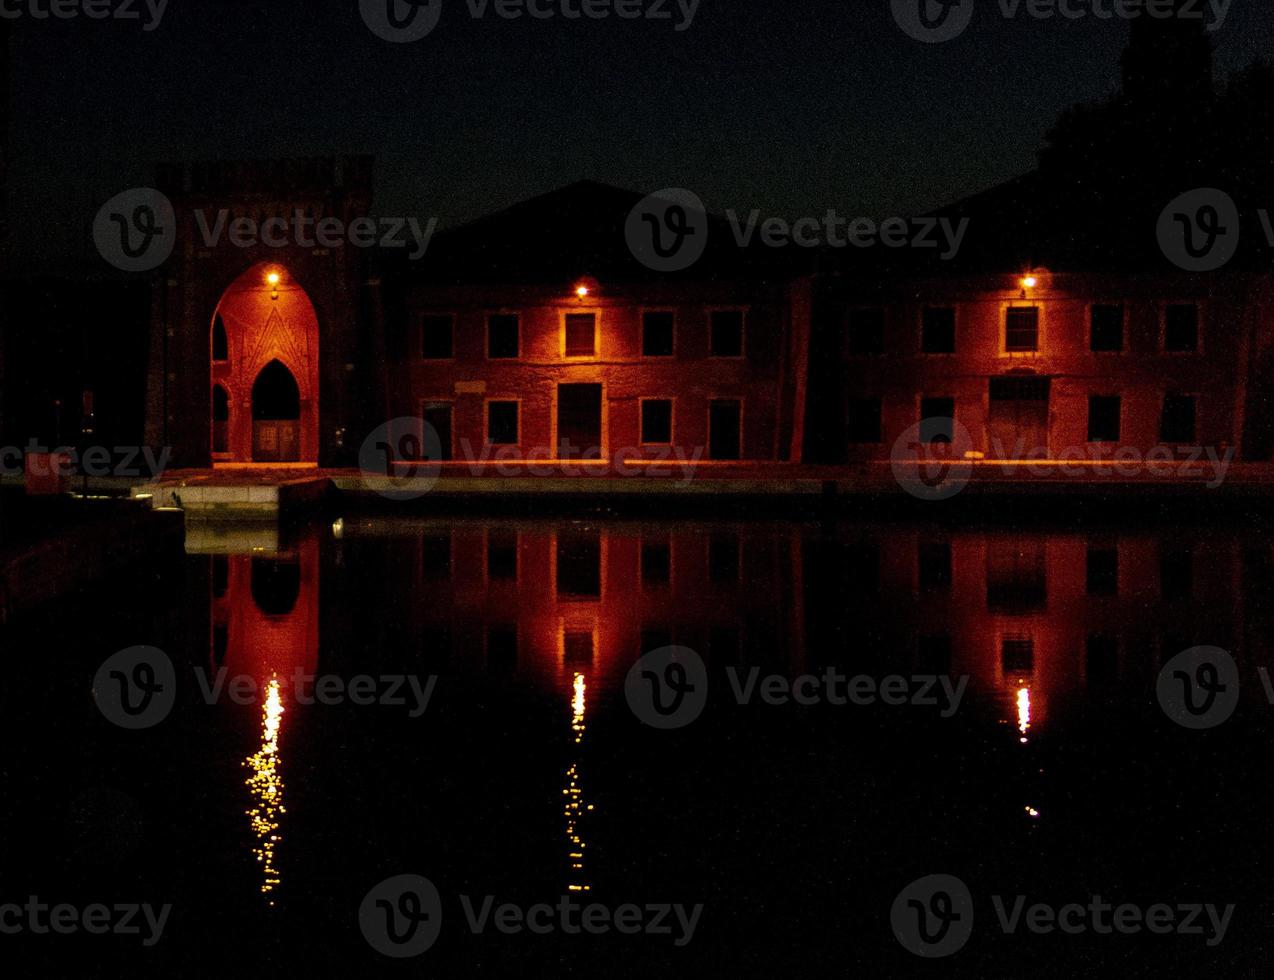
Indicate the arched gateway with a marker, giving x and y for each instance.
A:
(268, 369)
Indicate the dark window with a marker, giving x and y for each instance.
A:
(727, 333)
(1017, 653)
(502, 336)
(435, 556)
(1176, 574)
(864, 420)
(1177, 424)
(220, 343)
(502, 555)
(502, 423)
(656, 561)
(577, 647)
(581, 334)
(862, 567)
(933, 654)
(1104, 418)
(937, 420)
(938, 331)
(867, 331)
(723, 558)
(1107, 328)
(725, 645)
(1022, 328)
(579, 565)
(656, 421)
(1103, 571)
(1181, 328)
(935, 566)
(1016, 576)
(655, 638)
(276, 585)
(1102, 659)
(436, 342)
(656, 334)
(502, 647)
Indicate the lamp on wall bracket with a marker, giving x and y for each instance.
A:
(273, 279)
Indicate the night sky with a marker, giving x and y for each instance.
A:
(791, 106)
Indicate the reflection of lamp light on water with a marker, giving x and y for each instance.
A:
(266, 785)
(1023, 712)
(573, 803)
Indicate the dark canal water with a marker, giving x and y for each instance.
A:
(1047, 768)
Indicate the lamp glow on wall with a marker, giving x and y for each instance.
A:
(586, 287)
(273, 279)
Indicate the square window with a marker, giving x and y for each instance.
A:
(723, 558)
(656, 562)
(1181, 328)
(1107, 323)
(436, 337)
(655, 638)
(581, 334)
(1178, 422)
(579, 565)
(435, 551)
(1103, 571)
(1104, 412)
(938, 331)
(727, 333)
(503, 336)
(502, 423)
(1022, 329)
(864, 420)
(577, 647)
(657, 334)
(937, 420)
(502, 556)
(933, 654)
(502, 647)
(867, 331)
(656, 421)
(1102, 666)
(1017, 653)
(935, 566)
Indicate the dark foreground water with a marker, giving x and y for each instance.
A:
(1040, 763)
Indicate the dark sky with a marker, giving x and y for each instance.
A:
(791, 106)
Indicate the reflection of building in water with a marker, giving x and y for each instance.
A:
(265, 611)
(1032, 617)
(561, 598)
